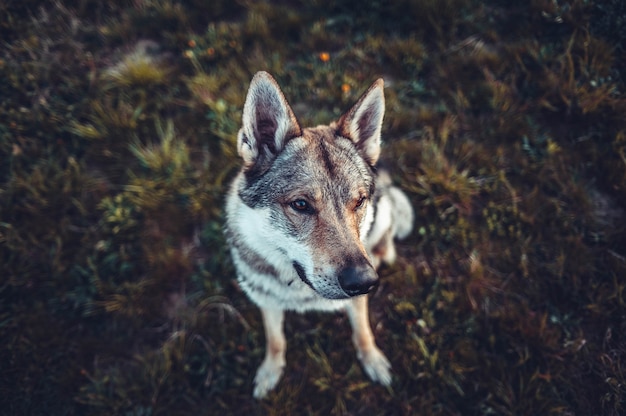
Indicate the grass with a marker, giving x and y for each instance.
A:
(505, 125)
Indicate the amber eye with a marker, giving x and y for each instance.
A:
(300, 205)
(360, 203)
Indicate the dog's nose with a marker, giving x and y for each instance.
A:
(358, 280)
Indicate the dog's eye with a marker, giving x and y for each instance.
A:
(360, 202)
(300, 205)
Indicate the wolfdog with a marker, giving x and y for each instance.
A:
(309, 219)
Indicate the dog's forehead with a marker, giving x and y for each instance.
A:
(327, 160)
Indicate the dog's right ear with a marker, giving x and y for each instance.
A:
(268, 121)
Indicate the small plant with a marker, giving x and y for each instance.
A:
(140, 67)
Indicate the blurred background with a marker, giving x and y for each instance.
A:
(505, 124)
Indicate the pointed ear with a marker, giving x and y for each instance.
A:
(363, 122)
(268, 121)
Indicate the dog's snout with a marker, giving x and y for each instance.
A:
(357, 280)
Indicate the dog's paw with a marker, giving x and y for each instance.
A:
(267, 377)
(377, 366)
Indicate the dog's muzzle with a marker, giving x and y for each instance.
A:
(358, 280)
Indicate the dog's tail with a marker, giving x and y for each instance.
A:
(402, 213)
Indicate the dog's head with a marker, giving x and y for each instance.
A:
(311, 189)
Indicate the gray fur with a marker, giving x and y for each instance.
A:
(308, 220)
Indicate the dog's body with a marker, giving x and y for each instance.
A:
(309, 221)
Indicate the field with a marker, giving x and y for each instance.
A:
(505, 124)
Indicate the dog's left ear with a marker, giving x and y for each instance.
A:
(363, 122)
(268, 122)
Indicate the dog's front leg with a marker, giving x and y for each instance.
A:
(374, 361)
(270, 371)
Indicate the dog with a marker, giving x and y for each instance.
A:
(309, 219)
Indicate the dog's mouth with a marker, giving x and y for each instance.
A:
(301, 274)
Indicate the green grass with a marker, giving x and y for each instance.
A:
(505, 125)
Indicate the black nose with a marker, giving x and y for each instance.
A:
(358, 280)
